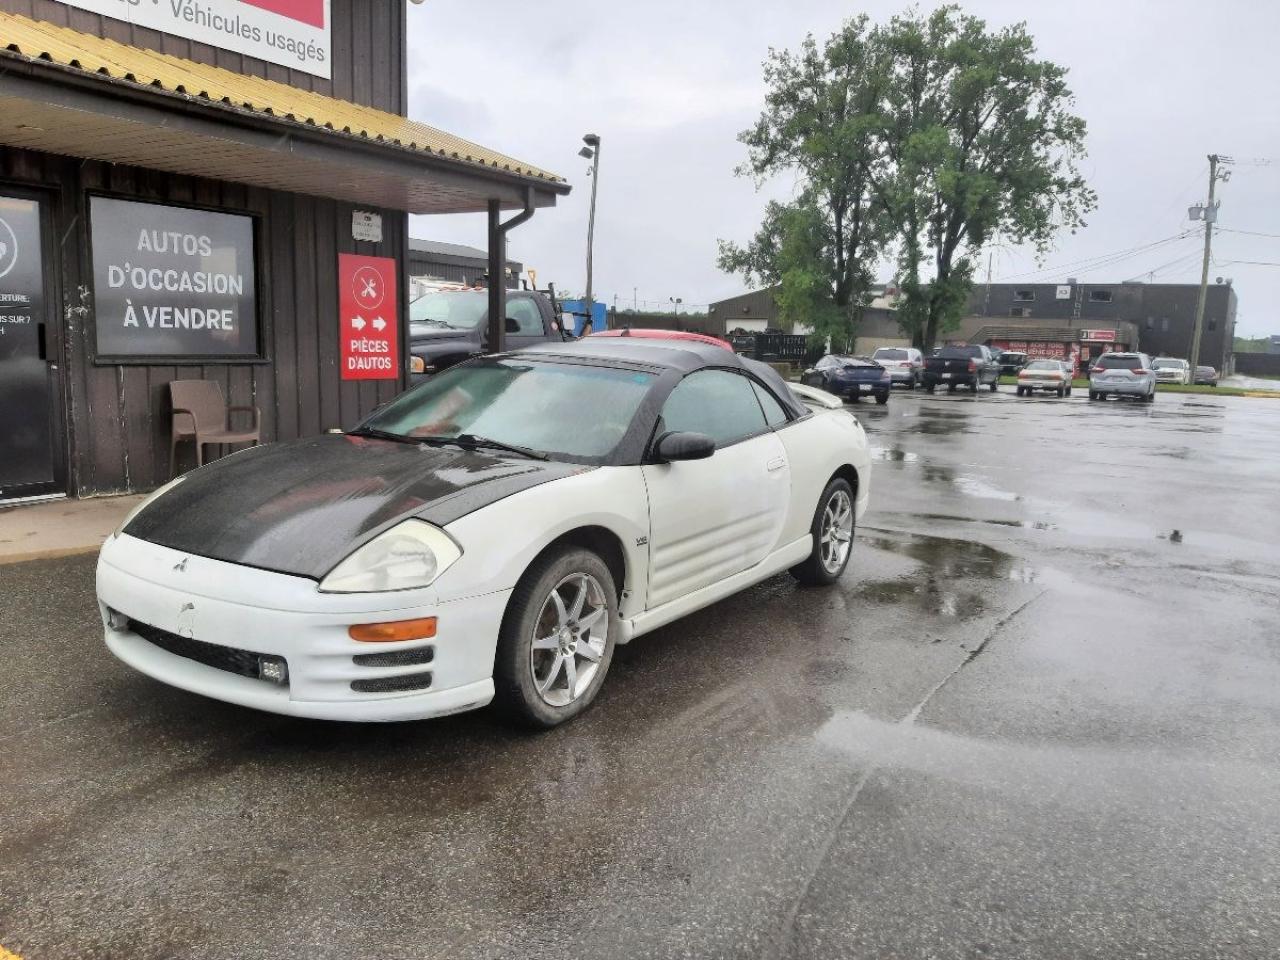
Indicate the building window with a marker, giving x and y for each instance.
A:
(1164, 324)
(1019, 311)
(1213, 324)
(1099, 296)
(1026, 296)
(1151, 323)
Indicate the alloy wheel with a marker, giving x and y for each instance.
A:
(837, 531)
(569, 639)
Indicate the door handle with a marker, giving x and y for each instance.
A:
(777, 463)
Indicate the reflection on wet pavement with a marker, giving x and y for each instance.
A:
(943, 582)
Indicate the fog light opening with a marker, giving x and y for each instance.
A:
(397, 631)
(273, 670)
(117, 621)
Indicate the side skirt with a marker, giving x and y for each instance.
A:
(781, 559)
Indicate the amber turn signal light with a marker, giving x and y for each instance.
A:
(422, 629)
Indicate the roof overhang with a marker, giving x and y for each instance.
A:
(61, 109)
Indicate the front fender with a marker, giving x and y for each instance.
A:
(501, 540)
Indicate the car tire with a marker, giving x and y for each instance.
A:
(533, 615)
(822, 567)
(1020, 392)
(928, 387)
(1068, 391)
(995, 385)
(1062, 392)
(1093, 395)
(973, 387)
(951, 388)
(1150, 397)
(882, 398)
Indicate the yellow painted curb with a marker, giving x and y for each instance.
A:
(8, 955)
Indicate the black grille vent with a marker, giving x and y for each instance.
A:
(241, 662)
(395, 658)
(410, 681)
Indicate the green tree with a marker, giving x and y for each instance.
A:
(925, 137)
(980, 140)
(820, 124)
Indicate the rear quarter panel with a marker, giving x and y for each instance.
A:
(817, 447)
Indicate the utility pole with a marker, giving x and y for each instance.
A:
(591, 150)
(1209, 213)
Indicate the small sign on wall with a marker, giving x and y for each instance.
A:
(368, 334)
(366, 226)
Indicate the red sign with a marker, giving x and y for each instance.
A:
(304, 11)
(1107, 335)
(368, 331)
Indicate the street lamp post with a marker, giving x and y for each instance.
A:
(591, 152)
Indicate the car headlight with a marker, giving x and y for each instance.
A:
(155, 495)
(409, 555)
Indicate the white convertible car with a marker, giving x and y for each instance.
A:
(489, 535)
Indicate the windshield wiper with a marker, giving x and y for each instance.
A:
(469, 441)
(377, 434)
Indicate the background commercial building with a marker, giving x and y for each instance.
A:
(455, 262)
(210, 192)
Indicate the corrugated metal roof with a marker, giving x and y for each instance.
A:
(40, 42)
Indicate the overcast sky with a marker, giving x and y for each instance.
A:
(668, 86)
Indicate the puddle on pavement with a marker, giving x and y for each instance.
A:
(943, 584)
(893, 454)
(949, 518)
(936, 422)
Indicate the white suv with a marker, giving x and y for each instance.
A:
(1122, 374)
(903, 363)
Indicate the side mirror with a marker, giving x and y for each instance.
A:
(513, 325)
(684, 446)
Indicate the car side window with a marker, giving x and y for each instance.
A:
(720, 404)
(526, 314)
(773, 412)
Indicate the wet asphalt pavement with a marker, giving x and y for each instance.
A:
(1030, 722)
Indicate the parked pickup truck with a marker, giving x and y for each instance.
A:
(970, 366)
(448, 326)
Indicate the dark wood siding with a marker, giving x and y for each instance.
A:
(368, 43)
(118, 415)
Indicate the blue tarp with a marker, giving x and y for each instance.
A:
(575, 312)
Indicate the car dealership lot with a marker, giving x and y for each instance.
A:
(1030, 721)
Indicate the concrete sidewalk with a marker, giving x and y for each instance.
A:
(59, 528)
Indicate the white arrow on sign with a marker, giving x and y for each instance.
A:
(357, 323)
(379, 323)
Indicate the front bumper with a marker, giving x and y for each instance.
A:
(276, 615)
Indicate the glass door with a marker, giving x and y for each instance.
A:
(28, 461)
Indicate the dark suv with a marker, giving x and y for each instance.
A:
(448, 326)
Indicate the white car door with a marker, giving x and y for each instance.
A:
(710, 519)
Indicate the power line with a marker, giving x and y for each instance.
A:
(1101, 260)
(1249, 233)
(1180, 261)
(1251, 263)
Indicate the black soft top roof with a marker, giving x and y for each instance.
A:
(684, 356)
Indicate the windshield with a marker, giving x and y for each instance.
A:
(1168, 364)
(449, 310)
(566, 411)
(1042, 365)
(959, 353)
(889, 353)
